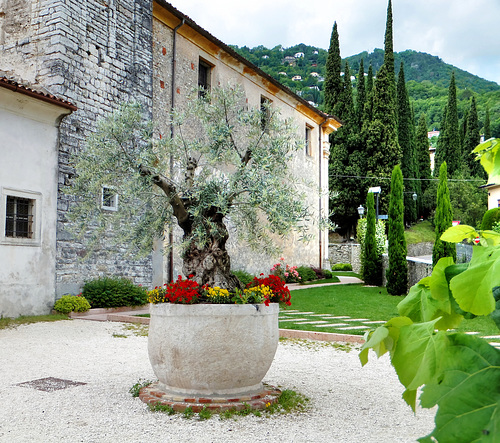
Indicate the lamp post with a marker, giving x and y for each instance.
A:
(375, 190)
(361, 211)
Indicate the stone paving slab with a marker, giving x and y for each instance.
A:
(331, 325)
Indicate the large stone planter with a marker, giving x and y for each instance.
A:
(205, 350)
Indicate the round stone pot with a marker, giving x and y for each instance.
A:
(218, 350)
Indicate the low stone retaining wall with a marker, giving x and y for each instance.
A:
(417, 268)
(345, 253)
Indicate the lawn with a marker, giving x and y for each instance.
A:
(358, 301)
(420, 232)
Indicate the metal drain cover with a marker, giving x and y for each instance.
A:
(50, 384)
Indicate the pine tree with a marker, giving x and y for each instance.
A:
(372, 266)
(397, 272)
(423, 160)
(450, 147)
(443, 218)
(407, 143)
(487, 130)
(333, 81)
(472, 139)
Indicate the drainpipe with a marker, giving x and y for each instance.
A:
(320, 150)
(172, 107)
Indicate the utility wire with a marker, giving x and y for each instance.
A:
(415, 179)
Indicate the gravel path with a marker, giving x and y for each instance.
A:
(348, 403)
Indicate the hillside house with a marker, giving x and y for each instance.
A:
(97, 56)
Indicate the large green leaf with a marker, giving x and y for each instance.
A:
(467, 390)
(430, 299)
(489, 152)
(456, 234)
(495, 315)
(383, 339)
(417, 355)
(473, 288)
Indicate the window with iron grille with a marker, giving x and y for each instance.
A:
(204, 71)
(19, 217)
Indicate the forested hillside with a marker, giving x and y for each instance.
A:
(427, 79)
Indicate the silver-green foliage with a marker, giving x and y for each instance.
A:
(224, 156)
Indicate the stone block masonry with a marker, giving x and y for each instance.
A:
(97, 55)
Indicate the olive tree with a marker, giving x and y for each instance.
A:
(224, 161)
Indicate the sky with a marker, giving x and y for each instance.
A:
(463, 33)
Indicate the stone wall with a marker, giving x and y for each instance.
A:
(96, 55)
(345, 253)
(419, 249)
(417, 269)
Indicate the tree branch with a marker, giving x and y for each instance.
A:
(178, 207)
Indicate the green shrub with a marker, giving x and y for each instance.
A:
(496, 227)
(68, 303)
(306, 273)
(327, 273)
(243, 276)
(107, 292)
(490, 218)
(342, 267)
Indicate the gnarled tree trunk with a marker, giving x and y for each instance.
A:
(210, 264)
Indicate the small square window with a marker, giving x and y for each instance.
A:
(204, 77)
(308, 140)
(20, 217)
(19, 213)
(109, 199)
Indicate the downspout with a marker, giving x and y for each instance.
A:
(320, 151)
(172, 107)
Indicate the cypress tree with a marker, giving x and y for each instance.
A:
(360, 95)
(442, 144)
(443, 218)
(368, 110)
(407, 143)
(487, 130)
(333, 80)
(372, 265)
(397, 272)
(389, 47)
(423, 159)
(346, 110)
(472, 139)
(382, 147)
(450, 147)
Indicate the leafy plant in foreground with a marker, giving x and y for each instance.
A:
(459, 373)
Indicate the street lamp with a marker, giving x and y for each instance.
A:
(361, 211)
(376, 190)
(414, 196)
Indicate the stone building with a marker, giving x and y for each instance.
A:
(97, 54)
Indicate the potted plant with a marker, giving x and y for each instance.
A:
(207, 342)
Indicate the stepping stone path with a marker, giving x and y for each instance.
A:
(344, 323)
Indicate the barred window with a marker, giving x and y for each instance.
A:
(265, 112)
(19, 217)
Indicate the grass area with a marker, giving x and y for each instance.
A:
(26, 320)
(420, 232)
(319, 282)
(346, 274)
(358, 301)
(354, 300)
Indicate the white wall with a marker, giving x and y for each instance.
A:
(28, 167)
